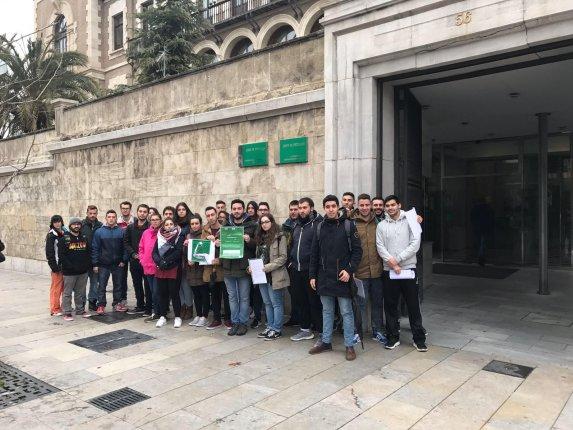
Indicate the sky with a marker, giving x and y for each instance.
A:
(16, 17)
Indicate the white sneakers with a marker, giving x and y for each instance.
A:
(203, 322)
(177, 322)
(161, 322)
(195, 321)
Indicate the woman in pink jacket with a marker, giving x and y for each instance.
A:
(146, 245)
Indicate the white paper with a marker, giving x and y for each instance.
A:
(412, 218)
(404, 274)
(360, 287)
(257, 275)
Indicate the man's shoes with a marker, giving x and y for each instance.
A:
(391, 344)
(255, 324)
(214, 324)
(320, 347)
(264, 333)
(379, 337)
(233, 330)
(242, 330)
(228, 324)
(68, 317)
(120, 308)
(420, 346)
(272, 335)
(100, 310)
(135, 311)
(92, 305)
(302, 335)
(291, 323)
(194, 322)
(350, 353)
(83, 314)
(203, 322)
(161, 322)
(147, 314)
(57, 314)
(153, 317)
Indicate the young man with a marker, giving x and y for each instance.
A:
(168, 212)
(74, 252)
(131, 239)
(398, 246)
(369, 270)
(287, 228)
(221, 206)
(237, 280)
(213, 275)
(264, 209)
(347, 203)
(307, 302)
(109, 258)
(89, 225)
(57, 285)
(378, 208)
(335, 256)
(123, 222)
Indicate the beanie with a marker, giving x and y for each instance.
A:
(75, 220)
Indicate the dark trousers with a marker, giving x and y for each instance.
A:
(139, 279)
(201, 299)
(124, 269)
(307, 301)
(103, 278)
(294, 317)
(256, 301)
(218, 291)
(168, 288)
(408, 289)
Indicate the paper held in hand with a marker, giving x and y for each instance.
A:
(412, 218)
(232, 242)
(201, 251)
(404, 274)
(257, 274)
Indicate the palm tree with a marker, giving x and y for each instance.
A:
(33, 79)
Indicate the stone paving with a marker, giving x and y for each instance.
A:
(205, 379)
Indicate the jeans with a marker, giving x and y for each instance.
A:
(152, 298)
(124, 269)
(186, 292)
(239, 289)
(168, 289)
(92, 295)
(256, 301)
(373, 294)
(345, 305)
(75, 284)
(218, 290)
(274, 306)
(138, 279)
(116, 273)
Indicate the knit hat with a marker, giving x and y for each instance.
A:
(75, 220)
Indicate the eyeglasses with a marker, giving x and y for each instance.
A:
(265, 222)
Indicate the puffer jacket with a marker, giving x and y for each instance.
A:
(194, 271)
(52, 239)
(394, 238)
(215, 268)
(371, 264)
(146, 244)
(276, 266)
(302, 236)
(237, 267)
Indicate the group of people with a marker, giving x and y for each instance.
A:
(320, 259)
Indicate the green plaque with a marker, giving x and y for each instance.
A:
(254, 154)
(232, 242)
(294, 150)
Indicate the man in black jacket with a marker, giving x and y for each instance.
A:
(335, 256)
(131, 239)
(89, 226)
(74, 253)
(306, 300)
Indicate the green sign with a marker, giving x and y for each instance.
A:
(254, 154)
(294, 150)
(201, 251)
(232, 242)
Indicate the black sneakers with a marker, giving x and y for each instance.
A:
(272, 335)
(233, 330)
(421, 346)
(92, 305)
(391, 344)
(242, 330)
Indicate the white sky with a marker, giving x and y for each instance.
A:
(16, 17)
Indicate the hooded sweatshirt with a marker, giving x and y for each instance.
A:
(394, 238)
(74, 252)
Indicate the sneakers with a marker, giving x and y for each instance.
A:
(100, 310)
(379, 337)
(120, 308)
(214, 324)
(83, 314)
(194, 321)
(356, 339)
(233, 330)
(255, 324)
(68, 317)
(177, 322)
(228, 324)
(202, 322)
(161, 322)
(391, 344)
(350, 353)
(421, 346)
(153, 317)
(135, 311)
(272, 335)
(92, 305)
(302, 335)
(56, 314)
(320, 347)
(264, 333)
(242, 330)
(147, 314)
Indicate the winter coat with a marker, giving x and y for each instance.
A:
(74, 253)
(394, 238)
(288, 228)
(107, 247)
(52, 239)
(216, 268)
(88, 229)
(145, 252)
(371, 264)
(131, 238)
(331, 253)
(303, 234)
(237, 267)
(170, 259)
(194, 270)
(276, 270)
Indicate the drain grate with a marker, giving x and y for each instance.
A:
(18, 387)
(114, 317)
(118, 399)
(510, 369)
(112, 340)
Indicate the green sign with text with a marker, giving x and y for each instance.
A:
(294, 150)
(254, 154)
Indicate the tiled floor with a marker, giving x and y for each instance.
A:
(206, 379)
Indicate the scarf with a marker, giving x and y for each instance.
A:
(166, 239)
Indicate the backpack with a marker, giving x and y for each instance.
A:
(347, 224)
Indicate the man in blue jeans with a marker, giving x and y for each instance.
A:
(335, 256)
(109, 257)
(89, 226)
(237, 280)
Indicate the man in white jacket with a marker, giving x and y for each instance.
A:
(397, 246)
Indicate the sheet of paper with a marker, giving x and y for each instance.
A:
(404, 274)
(360, 288)
(201, 251)
(412, 218)
(257, 274)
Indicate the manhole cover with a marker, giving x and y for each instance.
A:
(112, 340)
(118, 399)
(18, 387)
(114, 317)
(510, 369)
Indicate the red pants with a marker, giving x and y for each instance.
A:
(56, 290)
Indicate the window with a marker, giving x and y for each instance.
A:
(317, 26)
(243, 46)
(282, 34)
(118, 31)
(61, 34)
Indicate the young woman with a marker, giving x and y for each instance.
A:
(146, 245)
(152, 211)
(57, 286)
(252, 209)
(182, 217)
(167, 257)
(272, 249)
(195, 277)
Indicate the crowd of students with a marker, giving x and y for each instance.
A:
(318, 258)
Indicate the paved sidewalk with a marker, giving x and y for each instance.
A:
(205, 379)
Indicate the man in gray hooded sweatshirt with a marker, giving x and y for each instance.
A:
(397, 246)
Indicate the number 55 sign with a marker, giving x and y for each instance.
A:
(463, 18)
